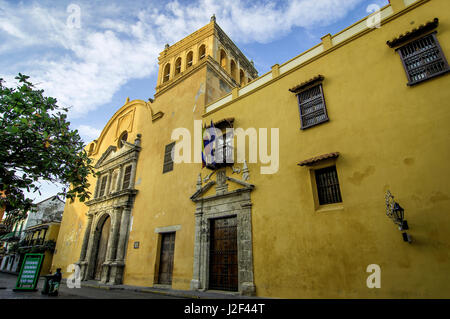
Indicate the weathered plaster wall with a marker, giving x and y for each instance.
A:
(390, 136)
(163, 199)
(48, 210)
(74, 219)
(218, 85)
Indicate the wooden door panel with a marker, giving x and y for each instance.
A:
(166, 258)
(102, 247)
(223, 274)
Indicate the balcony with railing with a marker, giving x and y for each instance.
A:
(11, 236)
(222, 155)
(32, 242)
(36, 245)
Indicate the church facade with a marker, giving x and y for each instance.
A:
(334, 180)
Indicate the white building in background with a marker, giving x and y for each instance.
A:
(48, 210)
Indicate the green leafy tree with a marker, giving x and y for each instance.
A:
(37, 144)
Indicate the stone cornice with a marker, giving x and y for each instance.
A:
(203, 190)
(187, 42)
(226, 194)
(119, 159)
(124, 193)
(108, 151)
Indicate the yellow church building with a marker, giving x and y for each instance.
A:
(335, 183)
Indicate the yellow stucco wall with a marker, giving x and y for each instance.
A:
(389, 135)
(156, 208)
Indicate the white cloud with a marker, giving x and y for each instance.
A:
(88, 133)
(250, 21)
(9, 28)
(118, 42)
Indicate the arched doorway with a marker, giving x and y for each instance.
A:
(102, 247)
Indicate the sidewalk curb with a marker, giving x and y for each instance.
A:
(143, 290)
(9, 272)
(151, 290)
(168, 293)
(102, 287)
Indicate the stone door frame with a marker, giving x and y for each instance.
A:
(224, 203)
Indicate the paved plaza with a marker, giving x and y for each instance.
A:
(8, 282)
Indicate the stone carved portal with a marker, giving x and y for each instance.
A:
(104, 245)
(224, 205)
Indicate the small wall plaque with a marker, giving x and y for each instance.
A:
(136, 245)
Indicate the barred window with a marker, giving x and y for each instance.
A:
(168, 158)
(126, 177)
(224, 149)
(102, 186)
(312, 106)
(423, 59)
(328, 186)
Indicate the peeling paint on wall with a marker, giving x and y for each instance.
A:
(357, 177)
(50, 209)
(200, 91)
(160, 214)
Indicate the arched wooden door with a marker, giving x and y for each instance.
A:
(102, 245)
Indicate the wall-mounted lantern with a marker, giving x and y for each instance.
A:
(395, 212)
(399, 215)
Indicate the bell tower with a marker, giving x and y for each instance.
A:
(207, 46)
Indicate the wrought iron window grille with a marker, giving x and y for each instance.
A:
(327, 182)
(423, 59)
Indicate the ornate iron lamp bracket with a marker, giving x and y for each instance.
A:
(395, 212)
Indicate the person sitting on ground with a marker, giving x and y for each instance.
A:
(54, 282)
(57, 276)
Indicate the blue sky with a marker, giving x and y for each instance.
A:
(93, 63)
